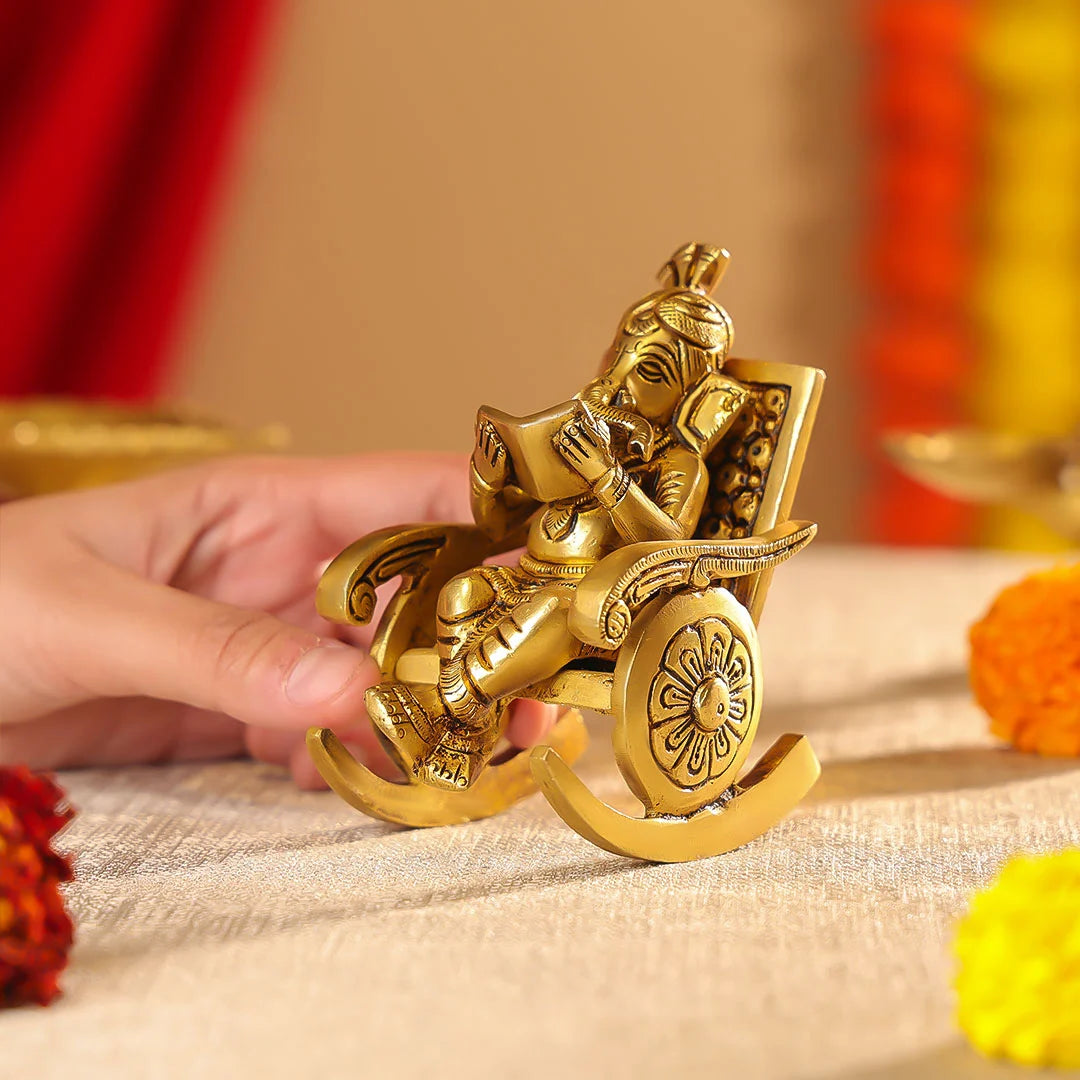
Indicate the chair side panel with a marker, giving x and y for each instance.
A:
(755, 469)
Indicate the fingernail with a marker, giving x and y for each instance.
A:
(322, 673)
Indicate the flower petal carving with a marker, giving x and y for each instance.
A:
(700, 702)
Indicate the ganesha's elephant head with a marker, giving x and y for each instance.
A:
(664, 367)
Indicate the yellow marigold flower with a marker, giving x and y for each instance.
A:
(1018, 984)
(1025, 663)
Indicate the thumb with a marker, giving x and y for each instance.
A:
(156, 641)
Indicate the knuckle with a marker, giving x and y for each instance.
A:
(238, 648)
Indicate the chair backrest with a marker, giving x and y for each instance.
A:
(754, 469)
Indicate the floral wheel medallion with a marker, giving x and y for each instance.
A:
(686, 699)
(701, 702)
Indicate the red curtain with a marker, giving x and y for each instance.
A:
(115, 116)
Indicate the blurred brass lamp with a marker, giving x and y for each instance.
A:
(652, 508)
(55, 444)
(1037, 474)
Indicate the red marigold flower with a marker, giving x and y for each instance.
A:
(1025, 663)
(35, 929)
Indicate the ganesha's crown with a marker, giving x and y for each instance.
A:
(695, 266)
(684, 306)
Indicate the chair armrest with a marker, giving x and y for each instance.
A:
(425, 557)
(614, 590)
(346, 590)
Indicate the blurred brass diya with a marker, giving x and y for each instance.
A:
(1036, 474)
(55, 444)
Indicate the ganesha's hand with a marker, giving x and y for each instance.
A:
(585, 444)
(490, 461)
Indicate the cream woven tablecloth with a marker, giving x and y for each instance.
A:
(230, 926)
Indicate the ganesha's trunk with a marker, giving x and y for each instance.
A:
(638, 433)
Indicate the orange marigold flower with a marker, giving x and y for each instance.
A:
(1025, 663)
(35, 929)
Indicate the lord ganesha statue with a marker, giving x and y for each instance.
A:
(649, 510)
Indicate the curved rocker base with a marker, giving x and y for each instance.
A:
(768, 793)
(422, 806)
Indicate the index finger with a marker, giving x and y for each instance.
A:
(357, 494)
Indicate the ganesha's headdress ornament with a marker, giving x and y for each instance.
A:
(703, 332)
(684, 306)
(695, 266)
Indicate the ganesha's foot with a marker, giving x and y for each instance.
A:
(459, 758)
(428, 743)
(406, 718)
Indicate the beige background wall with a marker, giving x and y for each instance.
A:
(436, 205)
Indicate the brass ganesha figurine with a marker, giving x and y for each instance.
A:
(651, 508)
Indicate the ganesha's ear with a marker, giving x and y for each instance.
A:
(708, 410)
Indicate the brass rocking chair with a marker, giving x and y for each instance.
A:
(674, 625)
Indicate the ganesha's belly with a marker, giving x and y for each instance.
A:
(567, 536)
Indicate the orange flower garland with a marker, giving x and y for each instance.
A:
(35, 930)
(1025, 663)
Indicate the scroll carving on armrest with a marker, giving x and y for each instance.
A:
(622, 583)
(346, 590)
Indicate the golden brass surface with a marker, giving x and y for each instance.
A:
(582, 688)
(54, 444)
(769, 792)
(1037, 474)
(421, 805)
(425, 557)
(653, 506)
(629, 578)
(687, 700)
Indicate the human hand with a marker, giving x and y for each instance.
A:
(585, 444)
(172, 617)
(490, 459)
